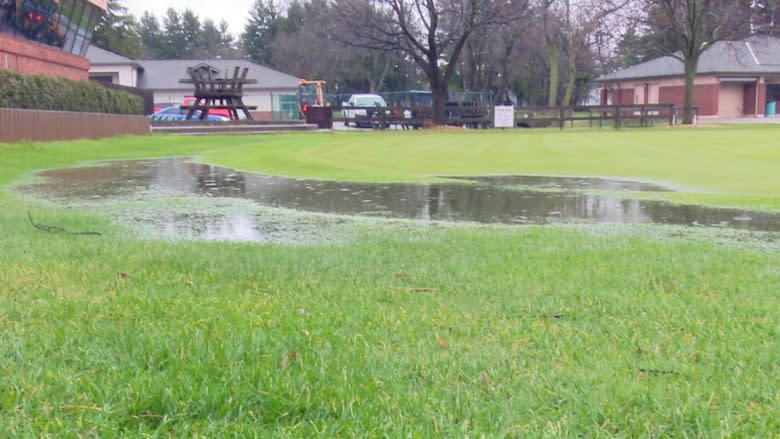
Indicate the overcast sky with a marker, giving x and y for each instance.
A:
(235, 12)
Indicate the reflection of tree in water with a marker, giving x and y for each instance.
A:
(106, 181)
(220, 182)
(539, 182)
(699, 215)
(485, 204)
(453, 202)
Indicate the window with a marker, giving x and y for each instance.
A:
(65, 24)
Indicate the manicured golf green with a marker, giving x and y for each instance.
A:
(400, 330)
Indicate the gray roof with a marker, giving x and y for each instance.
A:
(165, 74)
(98, 56)
(759, 54)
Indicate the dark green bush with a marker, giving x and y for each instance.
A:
(44, 93)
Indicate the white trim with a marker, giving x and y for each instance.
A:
(738, 79)
(753, 54)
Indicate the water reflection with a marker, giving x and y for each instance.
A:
(489, 200)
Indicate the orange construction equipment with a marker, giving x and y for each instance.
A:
(312, 105)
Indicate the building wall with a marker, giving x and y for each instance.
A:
(28, 58)
(710, 96)
(668, 91)
(261, 99)
(121, 74)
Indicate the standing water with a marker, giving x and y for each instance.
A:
(506, 199)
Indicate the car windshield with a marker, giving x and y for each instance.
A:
(369, 101)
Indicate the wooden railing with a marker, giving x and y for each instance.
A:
(616, 116)
(473, 116)
(18, 125)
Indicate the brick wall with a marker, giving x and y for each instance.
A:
(27, 58)
(705, 97)
(623, 96)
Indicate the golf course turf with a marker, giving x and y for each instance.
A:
(400, 328)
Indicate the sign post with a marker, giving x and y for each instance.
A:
(504, 116)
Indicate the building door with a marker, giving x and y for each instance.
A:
(652, 94)
(730, 100)
(639, 95)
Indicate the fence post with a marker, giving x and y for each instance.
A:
(617, 116)
(563, 122)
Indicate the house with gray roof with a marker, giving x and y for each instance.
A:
(109, 67)
(733, 79)
(162, 78)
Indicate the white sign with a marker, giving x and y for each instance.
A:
(504, 116)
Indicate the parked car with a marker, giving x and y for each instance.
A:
(190, 100)
(175, 113)
(361, 107)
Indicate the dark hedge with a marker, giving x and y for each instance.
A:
(45, 93)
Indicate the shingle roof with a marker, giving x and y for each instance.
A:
(759, 54)
(165, 74)
(98, 56)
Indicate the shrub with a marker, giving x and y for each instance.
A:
(44, 93)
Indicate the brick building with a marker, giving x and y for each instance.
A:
(48, 37)
(734, 79)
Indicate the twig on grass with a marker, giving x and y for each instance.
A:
(58, 229)
(658, 372)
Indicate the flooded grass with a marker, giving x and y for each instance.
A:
(399, 329)
(205, 195)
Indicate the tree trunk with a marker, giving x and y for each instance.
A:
(690, 76)
(572, 82)
(571, 53)
(439, 91)
(552, 96)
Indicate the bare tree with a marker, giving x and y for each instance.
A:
(766, 16)
(549, 18)
(304, 45)
(573, 27)
(583, 19)
(492, 56)
(690, 27)
(432, 33)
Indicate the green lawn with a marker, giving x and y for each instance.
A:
(400, 330)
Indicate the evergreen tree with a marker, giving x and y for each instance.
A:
(151, 36)
(192, 32)
(227, 45)
(259, 31)
(210, 40)
(174, 36)
(117, 32)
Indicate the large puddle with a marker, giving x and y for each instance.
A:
(508, 200)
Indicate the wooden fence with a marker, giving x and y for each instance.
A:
(616, 116)
(18, 125)
(473, 116)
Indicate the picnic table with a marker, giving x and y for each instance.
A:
(215, 92)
